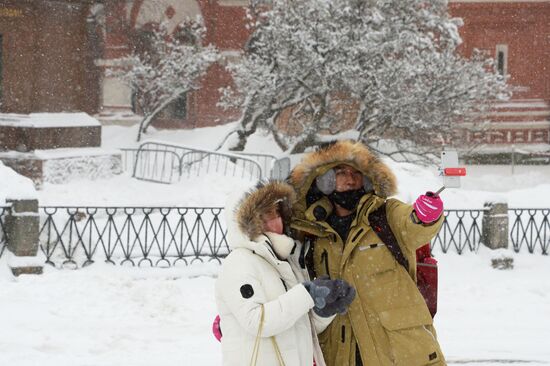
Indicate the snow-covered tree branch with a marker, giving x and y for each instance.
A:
(169, 66)
(388, 69)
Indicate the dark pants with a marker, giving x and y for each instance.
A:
(358, 361)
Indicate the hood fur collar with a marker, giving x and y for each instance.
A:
(262, 199)
(343, 152)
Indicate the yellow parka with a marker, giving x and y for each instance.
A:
(388, 322)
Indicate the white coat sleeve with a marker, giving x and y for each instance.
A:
(321, 323)
(280, 314)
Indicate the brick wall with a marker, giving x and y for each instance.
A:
(46, 65)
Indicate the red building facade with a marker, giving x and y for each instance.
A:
(517, 34)
(55, 55)
(225, 22)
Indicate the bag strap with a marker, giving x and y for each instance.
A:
(277, 352)
(256, 350)
(378, 220)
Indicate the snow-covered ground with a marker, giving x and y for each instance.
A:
(106, 316)
(118, 316)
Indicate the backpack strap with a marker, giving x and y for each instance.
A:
(378, 220)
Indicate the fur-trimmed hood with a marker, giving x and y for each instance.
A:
(260, 200)
(342, 152)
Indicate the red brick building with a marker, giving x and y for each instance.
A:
(517, 33)
(54, 54)
(225, 25)
(47, 59)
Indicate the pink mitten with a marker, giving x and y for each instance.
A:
(428, 207)
(216, 328)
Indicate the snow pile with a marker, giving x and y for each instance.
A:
(89, 165)
(14, 186)
(49, 120)
(123, 190)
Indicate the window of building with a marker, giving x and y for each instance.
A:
(133, 102)
(177, 109)
(180, 107)
(143, 41)
(502, 59)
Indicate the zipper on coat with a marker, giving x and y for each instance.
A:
(284, 284)
(357, 235)
(343, 334)
(324, 259)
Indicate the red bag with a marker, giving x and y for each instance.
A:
(426, 277)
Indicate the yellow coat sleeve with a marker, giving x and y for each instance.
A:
(405, 230)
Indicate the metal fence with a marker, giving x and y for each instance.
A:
(461, 231)
(167, 236)
(167, 163)
(266, 161)
(128, 156)
(530, 228)
(3, 237)
(152, 236)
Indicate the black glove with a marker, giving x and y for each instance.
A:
(336, 300)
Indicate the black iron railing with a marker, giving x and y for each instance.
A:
(3, 236)
(461, 231)
(167, 236)
(530, 227)
(153, 236)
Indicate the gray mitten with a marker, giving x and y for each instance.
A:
(340, 297)
(318, 291)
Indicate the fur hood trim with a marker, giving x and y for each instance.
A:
(344, 152)
(260, 200)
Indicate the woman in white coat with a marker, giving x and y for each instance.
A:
(263, 294)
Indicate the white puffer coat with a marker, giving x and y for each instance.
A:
(251, 276)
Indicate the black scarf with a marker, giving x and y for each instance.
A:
(347, 199)
(341, 224)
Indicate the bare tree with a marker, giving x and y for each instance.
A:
(165, 67)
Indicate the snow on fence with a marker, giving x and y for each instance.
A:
(168, 236)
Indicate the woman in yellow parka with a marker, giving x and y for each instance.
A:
(388, 323)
